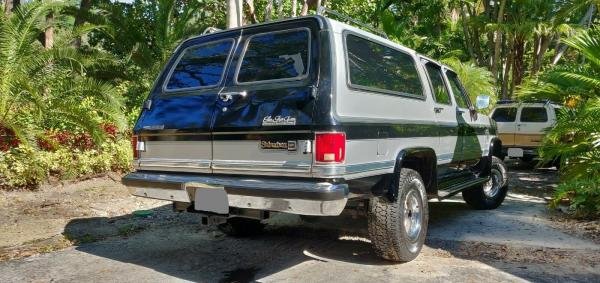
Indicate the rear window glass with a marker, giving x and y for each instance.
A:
(275, 56)
(200, 66)
(534, 114)
(378, 67)
(507, 114)
(437, 82)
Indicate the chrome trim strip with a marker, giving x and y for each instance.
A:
(182, 163)
(285, 166)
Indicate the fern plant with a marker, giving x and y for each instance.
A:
(42, 88)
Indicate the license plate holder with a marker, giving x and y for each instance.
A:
(210, 198)
(515, 152)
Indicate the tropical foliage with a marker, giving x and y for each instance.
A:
(73, 74)
(575, 140)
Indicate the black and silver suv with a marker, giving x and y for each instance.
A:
(308, 116)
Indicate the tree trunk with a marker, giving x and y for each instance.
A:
(268, 10)
(518, 64)
(467, 34)
(506, 72)
(496, 58)
(11, 5)
(234, 13)
(279, 9)
(477, 47)
(545, 41)
(80, 19)
(251, 11)
(304, 11)
(49, 32)
(294, 8)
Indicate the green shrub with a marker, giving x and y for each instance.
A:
(21, 167)
(26, 167)
(584, 196)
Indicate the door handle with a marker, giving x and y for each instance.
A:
(227, 96)
(438, 109)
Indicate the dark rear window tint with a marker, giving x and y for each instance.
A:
(200, 66)
(534, 114)
(275, 56)
(377, 67)
(437, 82)
(508, 114)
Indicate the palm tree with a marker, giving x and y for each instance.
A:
(576, 137)
(43, 88)
(476, 80)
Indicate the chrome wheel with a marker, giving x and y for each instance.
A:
(413, 216)
(492, 187)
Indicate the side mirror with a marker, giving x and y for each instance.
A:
(482, 102)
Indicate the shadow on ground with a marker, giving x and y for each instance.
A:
(176, 245)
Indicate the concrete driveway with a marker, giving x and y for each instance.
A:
(514, 243)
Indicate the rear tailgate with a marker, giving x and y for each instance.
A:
(263, 125)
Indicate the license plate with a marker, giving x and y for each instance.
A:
(211, 199)
(515, 152)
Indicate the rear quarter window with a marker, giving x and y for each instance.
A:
(505, 114)
(200, 66)
(534, 115)
(374, 66)
(280, 55)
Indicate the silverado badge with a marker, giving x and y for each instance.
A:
(278, 121)
(279, 145)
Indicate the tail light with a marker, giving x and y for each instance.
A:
(330, 147)
(137, 146)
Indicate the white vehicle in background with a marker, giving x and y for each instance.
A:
(522, 126)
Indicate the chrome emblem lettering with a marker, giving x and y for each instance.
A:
(279, 145)
(278, 121)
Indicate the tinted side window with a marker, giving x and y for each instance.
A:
(274, 56)
(457, 90)
(378, 67)
(200, 66)
(534, 114)
(507, 114)
(437, 82)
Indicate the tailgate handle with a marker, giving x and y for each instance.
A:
(227, 96)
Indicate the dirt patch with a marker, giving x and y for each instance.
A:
(34, 221)
(589, 229)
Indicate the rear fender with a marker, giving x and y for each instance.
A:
(420, 159)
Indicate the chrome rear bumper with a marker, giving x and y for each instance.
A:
(306, 197)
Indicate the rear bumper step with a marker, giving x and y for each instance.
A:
(306, 197)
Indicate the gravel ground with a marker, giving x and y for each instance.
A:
(86, 231)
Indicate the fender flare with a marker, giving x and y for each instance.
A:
(484, 167)
(495, 147)
(413, 158)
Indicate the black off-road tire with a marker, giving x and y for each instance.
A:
(483, 196)
(387, 228)
(241, 227)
